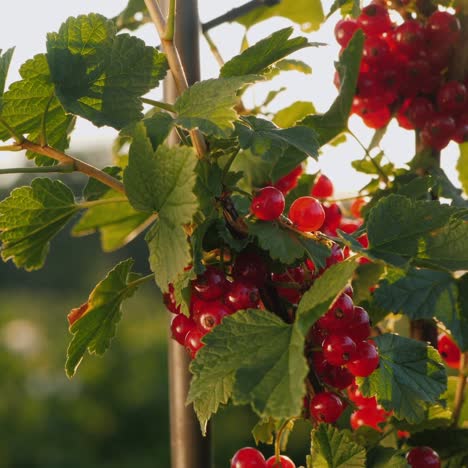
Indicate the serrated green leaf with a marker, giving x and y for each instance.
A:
(425, 233)
(335, 120)
(208, 186)
(183, 291)
(254, 358)
(443, 187)
(94, 189)
(287, 246)
(409, 376)
(290, 115)
(257, 58)
(169, 251)
(5, 59)
(307, 13)
(161, 181)
(117, 222)
(450, 397)
(367, 167)
(366, 276)
(317, 300)
(462, 166)
(332, 448)
(86, 59)
(30, 217)
(386, 457)
(264, 431)
(435, 417)
(209, 105)
(25, 103)
(96, 328)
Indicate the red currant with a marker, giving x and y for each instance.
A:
(449, 351)
(461, 132)
(438, 131)
(193, 342)
(452, 97)
(210, 315)
(420, 110)
(250, 267)
(365, 359)
(444, 27)
(355, 395)
(410, 38)
(248, 457)
(307, 214)
(376, 50)
(357, 206)
(289, 181)
(336, 255)
(332, 217)
(344, 31)
(338, 377)
(340, 316)
(268, 204)
(285, 462)
(374, 19)
(338, 349)
(180, 326)
(423, 457)
(360, 327)
(211, 284)
(377, 119)
(292, 275)
(319, 363)
(323, 187)
(242, 295)
(368, 416)
(326, 407)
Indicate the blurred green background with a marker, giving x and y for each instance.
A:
(114, 413)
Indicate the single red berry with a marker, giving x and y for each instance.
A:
(349, 291)
(365, 359)
(242, 295)
(438, 131)
(361, 401)
(251, 268)
(344, 31)
(340, 316)
(248, 457)
(289, 181)
(439, 55)
(268, 204)
(357, 206)
(323, 187)
(339, 349)
(416, 73)
(374, 19)
(332, 217)
(449, 351)
(284, 462)
(291, 275)
(443, 26)
(211, 315)
(376, 50)
(410, 38)
(319, 363)
(335, 257)
(338, 377)
(402, 116)
(377, 119)
(180, 326)
(452, 97)
(423, 457)
(349, 225)
(193, 342)
(403, 434)
(420, 110)
(461, 132)
(197, 305)
(326, 407)
(307, 214)
(317, 334)
(368, 416)
(211, 284)
(360, 328)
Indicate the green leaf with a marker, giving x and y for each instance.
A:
(254, 358)
(26, 101)
(456, 319)
(307, 13)
(209, 105)
(290, 115)
(5, 60)
(169, 251)
(332, 448)
(435, 417)
(257, 59)
(386, 457)
(86, 59)
(317, 300)
(409, 376)
(208, 186)
(462, 166)
(117, 222)
(264, 431)
(351, 7)
(95, 189)
(30, 217)
(366, 276)
(183, 290)
(335, 120)
(367, 167)
(286, 245)
(128, 18)
(426, 233)
(420, 294)
(444, 188)
(96, 328)
(161, 181)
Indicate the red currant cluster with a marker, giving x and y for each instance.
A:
(249, 457)
(449, 351)
(368, 412)
(214, 296)
(404, 73)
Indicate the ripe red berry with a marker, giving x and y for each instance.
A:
(344, 31)
(180, 326)
(365, 359)
(211, 284)
(444, 27)
(377, 119)
(284, 462)
(357, 206)
(374, 19)
(307, 214)
(210, 315)
(423, 457)
(361, 401)
(368, 416)
(376, 50)
(326, 407)
(420, 110)
(338, 377)
(332, 218)
(248, 457)
(251, 268)
(461, 132)
(242, 295)
(409, 38)
(193, 342)
(323, 187)
(449, 351)
(319, 363)
(338, 349)
(289, 181)
(268, 204)
(291, 275)
(360, 328)
(335, 257)
(438, 131)
(452, 97)
(340, 316)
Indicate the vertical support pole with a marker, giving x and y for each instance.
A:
(188, 448)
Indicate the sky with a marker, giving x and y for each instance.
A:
(25, 23)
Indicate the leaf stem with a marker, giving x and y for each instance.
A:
(228, 164)
(77, 164)
(141, 280)
(103, 201)
(279, 435)
(170, 26)
(62, 168)
(162, 105)
(175, 66)
(461, 387)
(11, 148)
(17, 136)
(213, 48)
